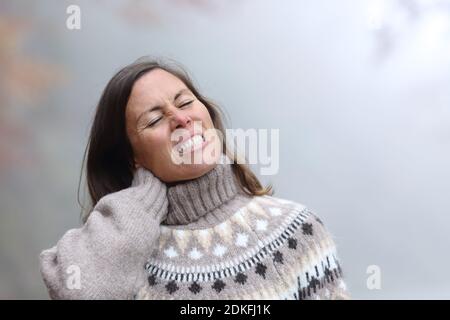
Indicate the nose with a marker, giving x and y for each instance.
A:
(179, 119)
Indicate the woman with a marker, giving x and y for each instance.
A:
(175, 215)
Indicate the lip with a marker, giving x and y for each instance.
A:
(195, 147)
(189, 135)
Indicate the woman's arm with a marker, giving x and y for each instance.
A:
(104, 259)
(323, 253)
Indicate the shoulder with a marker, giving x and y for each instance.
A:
(306, 246)
(285, 207)
(298, 216)
(306, 229)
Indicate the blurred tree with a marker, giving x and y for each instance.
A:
(23, 81)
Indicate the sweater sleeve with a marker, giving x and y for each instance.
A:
(323, 251)
(104, 258)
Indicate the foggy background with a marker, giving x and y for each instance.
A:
(359, 91)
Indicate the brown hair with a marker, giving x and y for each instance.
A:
(110, 163)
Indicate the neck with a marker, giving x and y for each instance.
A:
(193, 199)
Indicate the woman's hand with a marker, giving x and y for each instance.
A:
(147, 193)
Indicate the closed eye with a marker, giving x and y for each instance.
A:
(185, 104)
(153, 122)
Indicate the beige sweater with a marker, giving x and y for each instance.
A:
(201, 239)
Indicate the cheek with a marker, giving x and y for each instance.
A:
(203, 114)
(152, 144)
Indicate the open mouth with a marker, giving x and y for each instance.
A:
(195, 142)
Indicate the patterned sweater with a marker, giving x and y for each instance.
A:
(214, 242)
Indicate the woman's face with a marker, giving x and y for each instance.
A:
(170, 130)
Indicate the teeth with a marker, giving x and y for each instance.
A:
(187, 145)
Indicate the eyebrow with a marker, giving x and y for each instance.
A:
(154, 108)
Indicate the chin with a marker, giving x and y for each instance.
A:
(193, 171)
(188, 170)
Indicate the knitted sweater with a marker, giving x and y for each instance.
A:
(200, 239)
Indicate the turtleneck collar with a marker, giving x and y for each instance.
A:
(193, 199)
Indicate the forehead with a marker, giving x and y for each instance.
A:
(153, 88)
(155, 85)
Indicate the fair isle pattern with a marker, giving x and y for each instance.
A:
(309, 279)
(230, 268)
(245, 256)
